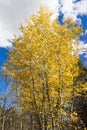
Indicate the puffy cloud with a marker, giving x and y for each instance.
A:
(12, 12)
(81, 7)
(67, 8)
(82, 48)
(71, 8)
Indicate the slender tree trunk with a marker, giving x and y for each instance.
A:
(59, 89)
(21, 125)
(3, 121)
(50, 105)
(3, 114)
(43, 109)
(35, 107)
(31, 125)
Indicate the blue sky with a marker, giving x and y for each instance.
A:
(11, 17)
(3, 58)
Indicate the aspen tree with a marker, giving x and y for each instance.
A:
(43, 63)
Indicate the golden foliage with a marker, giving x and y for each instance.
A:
(44, 62)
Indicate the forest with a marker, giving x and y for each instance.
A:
(46, 82)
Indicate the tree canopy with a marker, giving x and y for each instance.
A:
(43, 65)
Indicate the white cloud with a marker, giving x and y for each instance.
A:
(71, 9)
(12, 12)
(81, 7)
(82, 48)
(67, 8)
(86, 32)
